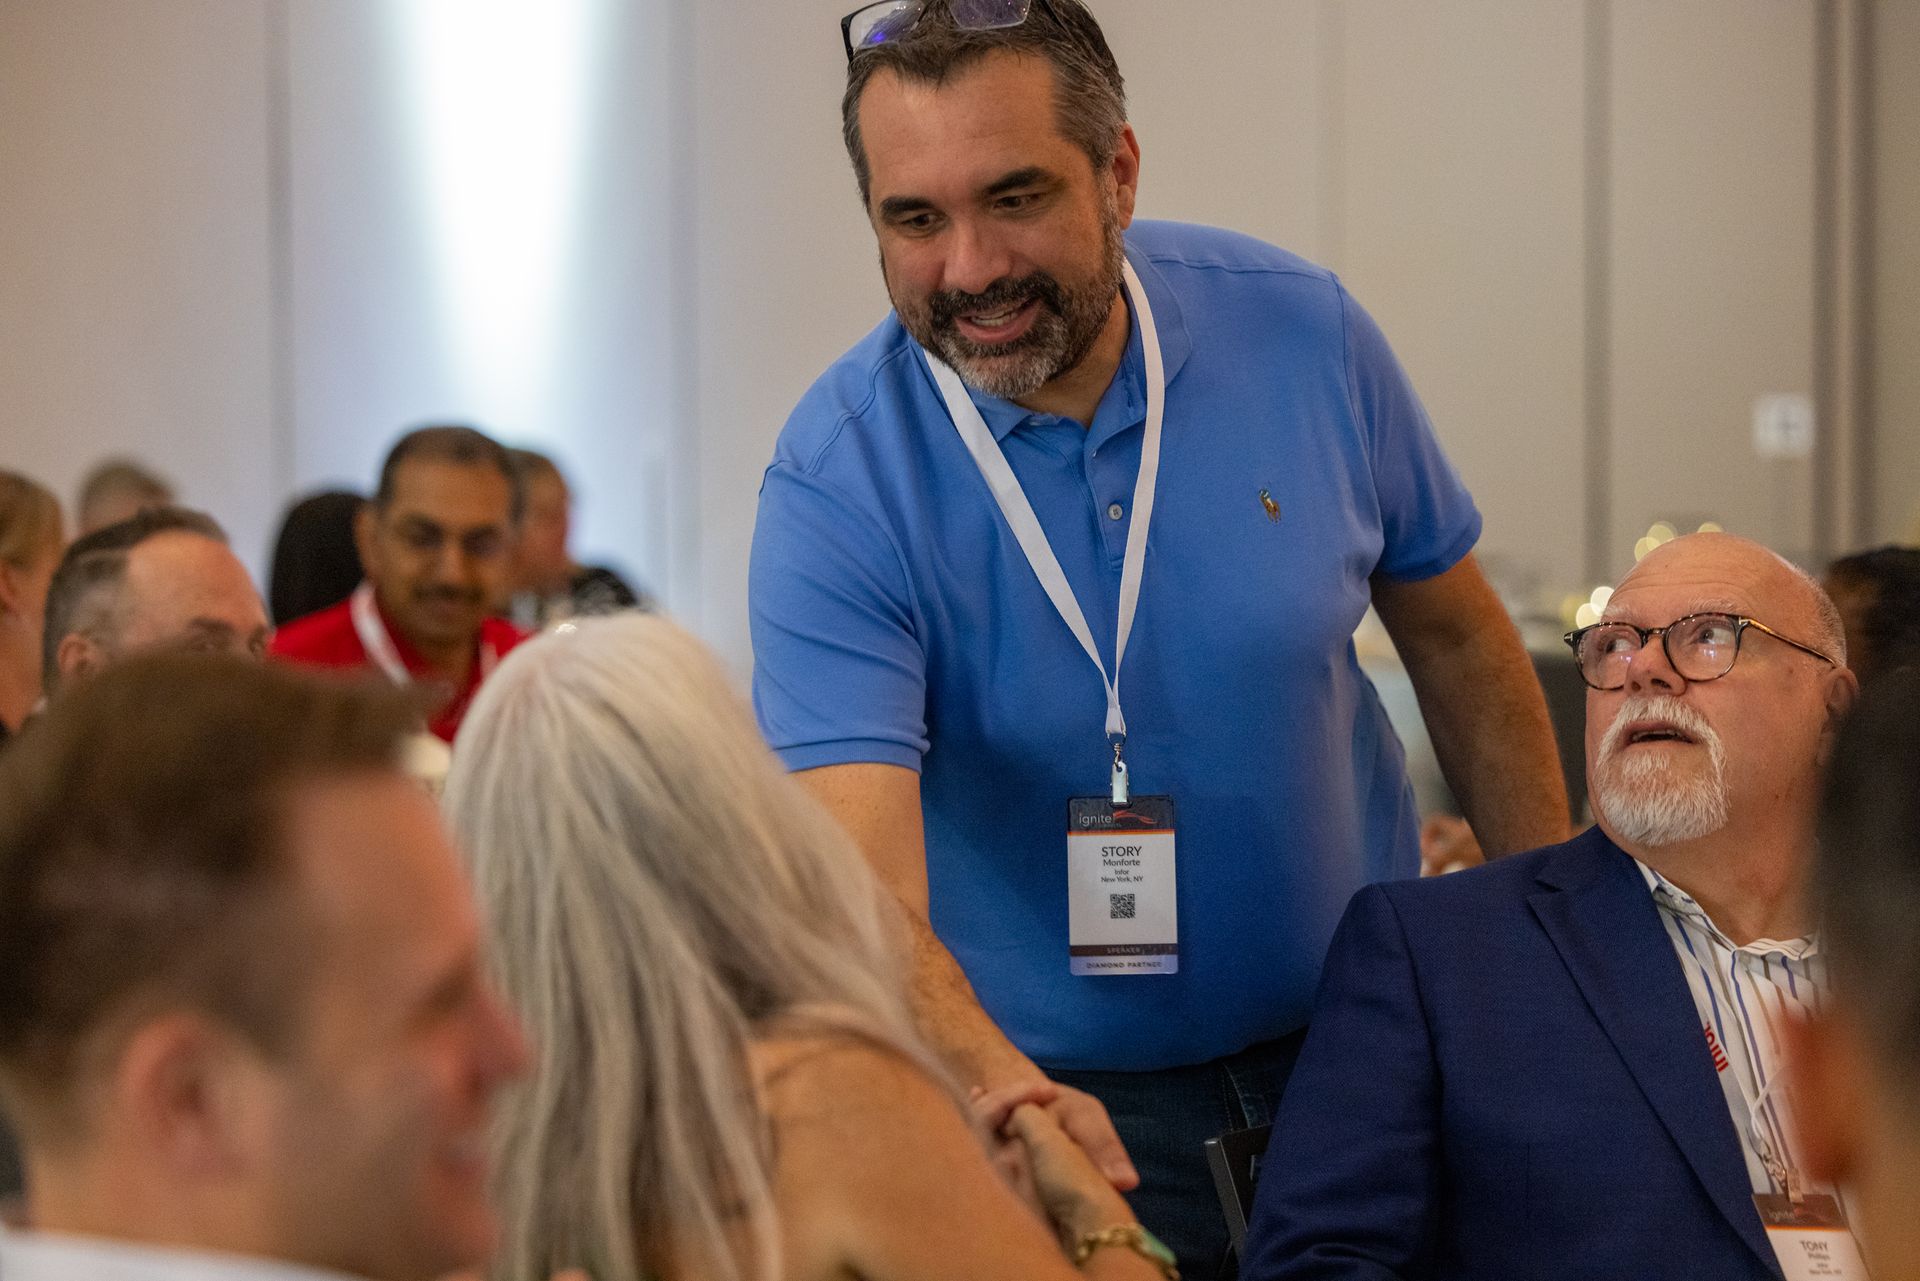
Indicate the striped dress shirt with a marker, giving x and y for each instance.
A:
(1743, 995)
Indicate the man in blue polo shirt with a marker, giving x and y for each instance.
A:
(965, 632)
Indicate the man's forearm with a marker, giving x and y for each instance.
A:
(1490, 729)
(951, 1018)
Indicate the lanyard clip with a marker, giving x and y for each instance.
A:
(1121, 792)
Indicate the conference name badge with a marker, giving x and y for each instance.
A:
(1811, 1239)
(1123, 911)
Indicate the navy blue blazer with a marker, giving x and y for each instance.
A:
(1505, 1077)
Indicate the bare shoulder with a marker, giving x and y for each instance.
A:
(834, 1083)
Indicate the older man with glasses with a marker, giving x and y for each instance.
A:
(1568, 1064)
(1074, 543)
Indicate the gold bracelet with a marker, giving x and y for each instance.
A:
(1135, 1238)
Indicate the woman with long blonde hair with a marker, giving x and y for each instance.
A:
(729, 1085)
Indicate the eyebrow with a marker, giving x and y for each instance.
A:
(1032, 175)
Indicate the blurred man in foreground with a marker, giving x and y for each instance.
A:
(435, 543)
(164, 578)
(1566, 1063)
(1859, 1062)
(243, 1022)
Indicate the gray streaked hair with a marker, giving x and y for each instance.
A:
(1089, 94)
(660, 895)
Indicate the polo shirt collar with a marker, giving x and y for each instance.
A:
(1124, 403)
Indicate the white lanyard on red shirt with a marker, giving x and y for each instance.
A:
(1012, 500)
(372, 631)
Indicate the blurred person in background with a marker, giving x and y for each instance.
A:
(728, 1084)
(118, 488)
(1858, 1061)
(315, 561)
(436, 545)
(1878, 593)
(548, 584)
(164, 578)
(32, 534)
(244, 1028)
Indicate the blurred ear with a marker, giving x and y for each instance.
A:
(1827, 1065)
(78, 655)
(365, 522)
(1841, 689)
(186, 1093)
(10, 588)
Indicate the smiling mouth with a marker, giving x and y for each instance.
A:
(1001, 325)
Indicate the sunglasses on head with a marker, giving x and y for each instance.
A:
(876, 24)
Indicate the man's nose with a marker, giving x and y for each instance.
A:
(1648, 670)
(977, 257)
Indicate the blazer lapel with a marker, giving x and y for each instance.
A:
(1603, 921)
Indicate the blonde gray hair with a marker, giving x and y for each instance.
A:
(660, 895)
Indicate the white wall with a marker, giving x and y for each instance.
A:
(135, 311)
(216, 250)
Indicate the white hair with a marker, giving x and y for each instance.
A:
(660, 894)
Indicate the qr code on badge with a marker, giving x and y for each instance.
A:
(1120, 907)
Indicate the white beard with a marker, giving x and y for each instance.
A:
(1642, 797)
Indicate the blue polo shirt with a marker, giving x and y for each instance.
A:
(896, 620)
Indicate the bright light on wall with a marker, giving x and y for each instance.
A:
(499, 95)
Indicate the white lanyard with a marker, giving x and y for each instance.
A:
(379, 646)
(1012, 499)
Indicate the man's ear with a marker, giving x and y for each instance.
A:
(364, 524)
(78, 656)
(1826, 1063)
(10, 588)
(186, 1092)
(1126, 174)
(1842, 688)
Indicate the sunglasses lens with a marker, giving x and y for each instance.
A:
(978, 15)
(879, 23)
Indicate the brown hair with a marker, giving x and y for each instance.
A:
(1090, 96)
(142, 862)
(29, 519)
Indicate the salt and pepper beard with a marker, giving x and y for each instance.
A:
(1061, 335)
(1642, 796)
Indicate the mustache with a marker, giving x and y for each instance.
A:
(947, 305)
(448, 595)
(1656, 707)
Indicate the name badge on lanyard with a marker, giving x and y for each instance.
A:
(1810, 1238)
(1122, 901)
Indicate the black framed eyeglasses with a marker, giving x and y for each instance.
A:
(1700, 647)
(887, 20)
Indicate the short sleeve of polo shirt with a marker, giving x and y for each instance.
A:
(839, 673)
(1428, 520)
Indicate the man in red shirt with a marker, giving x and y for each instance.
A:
(434, 543)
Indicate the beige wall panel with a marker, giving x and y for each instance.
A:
(1712, 261)
(134, 286)
(1462, 185)
(1228, 103)
(1897, 246)
(785, 268)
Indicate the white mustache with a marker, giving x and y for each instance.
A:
(1657, 707)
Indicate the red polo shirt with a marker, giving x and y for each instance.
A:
(330, 639)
